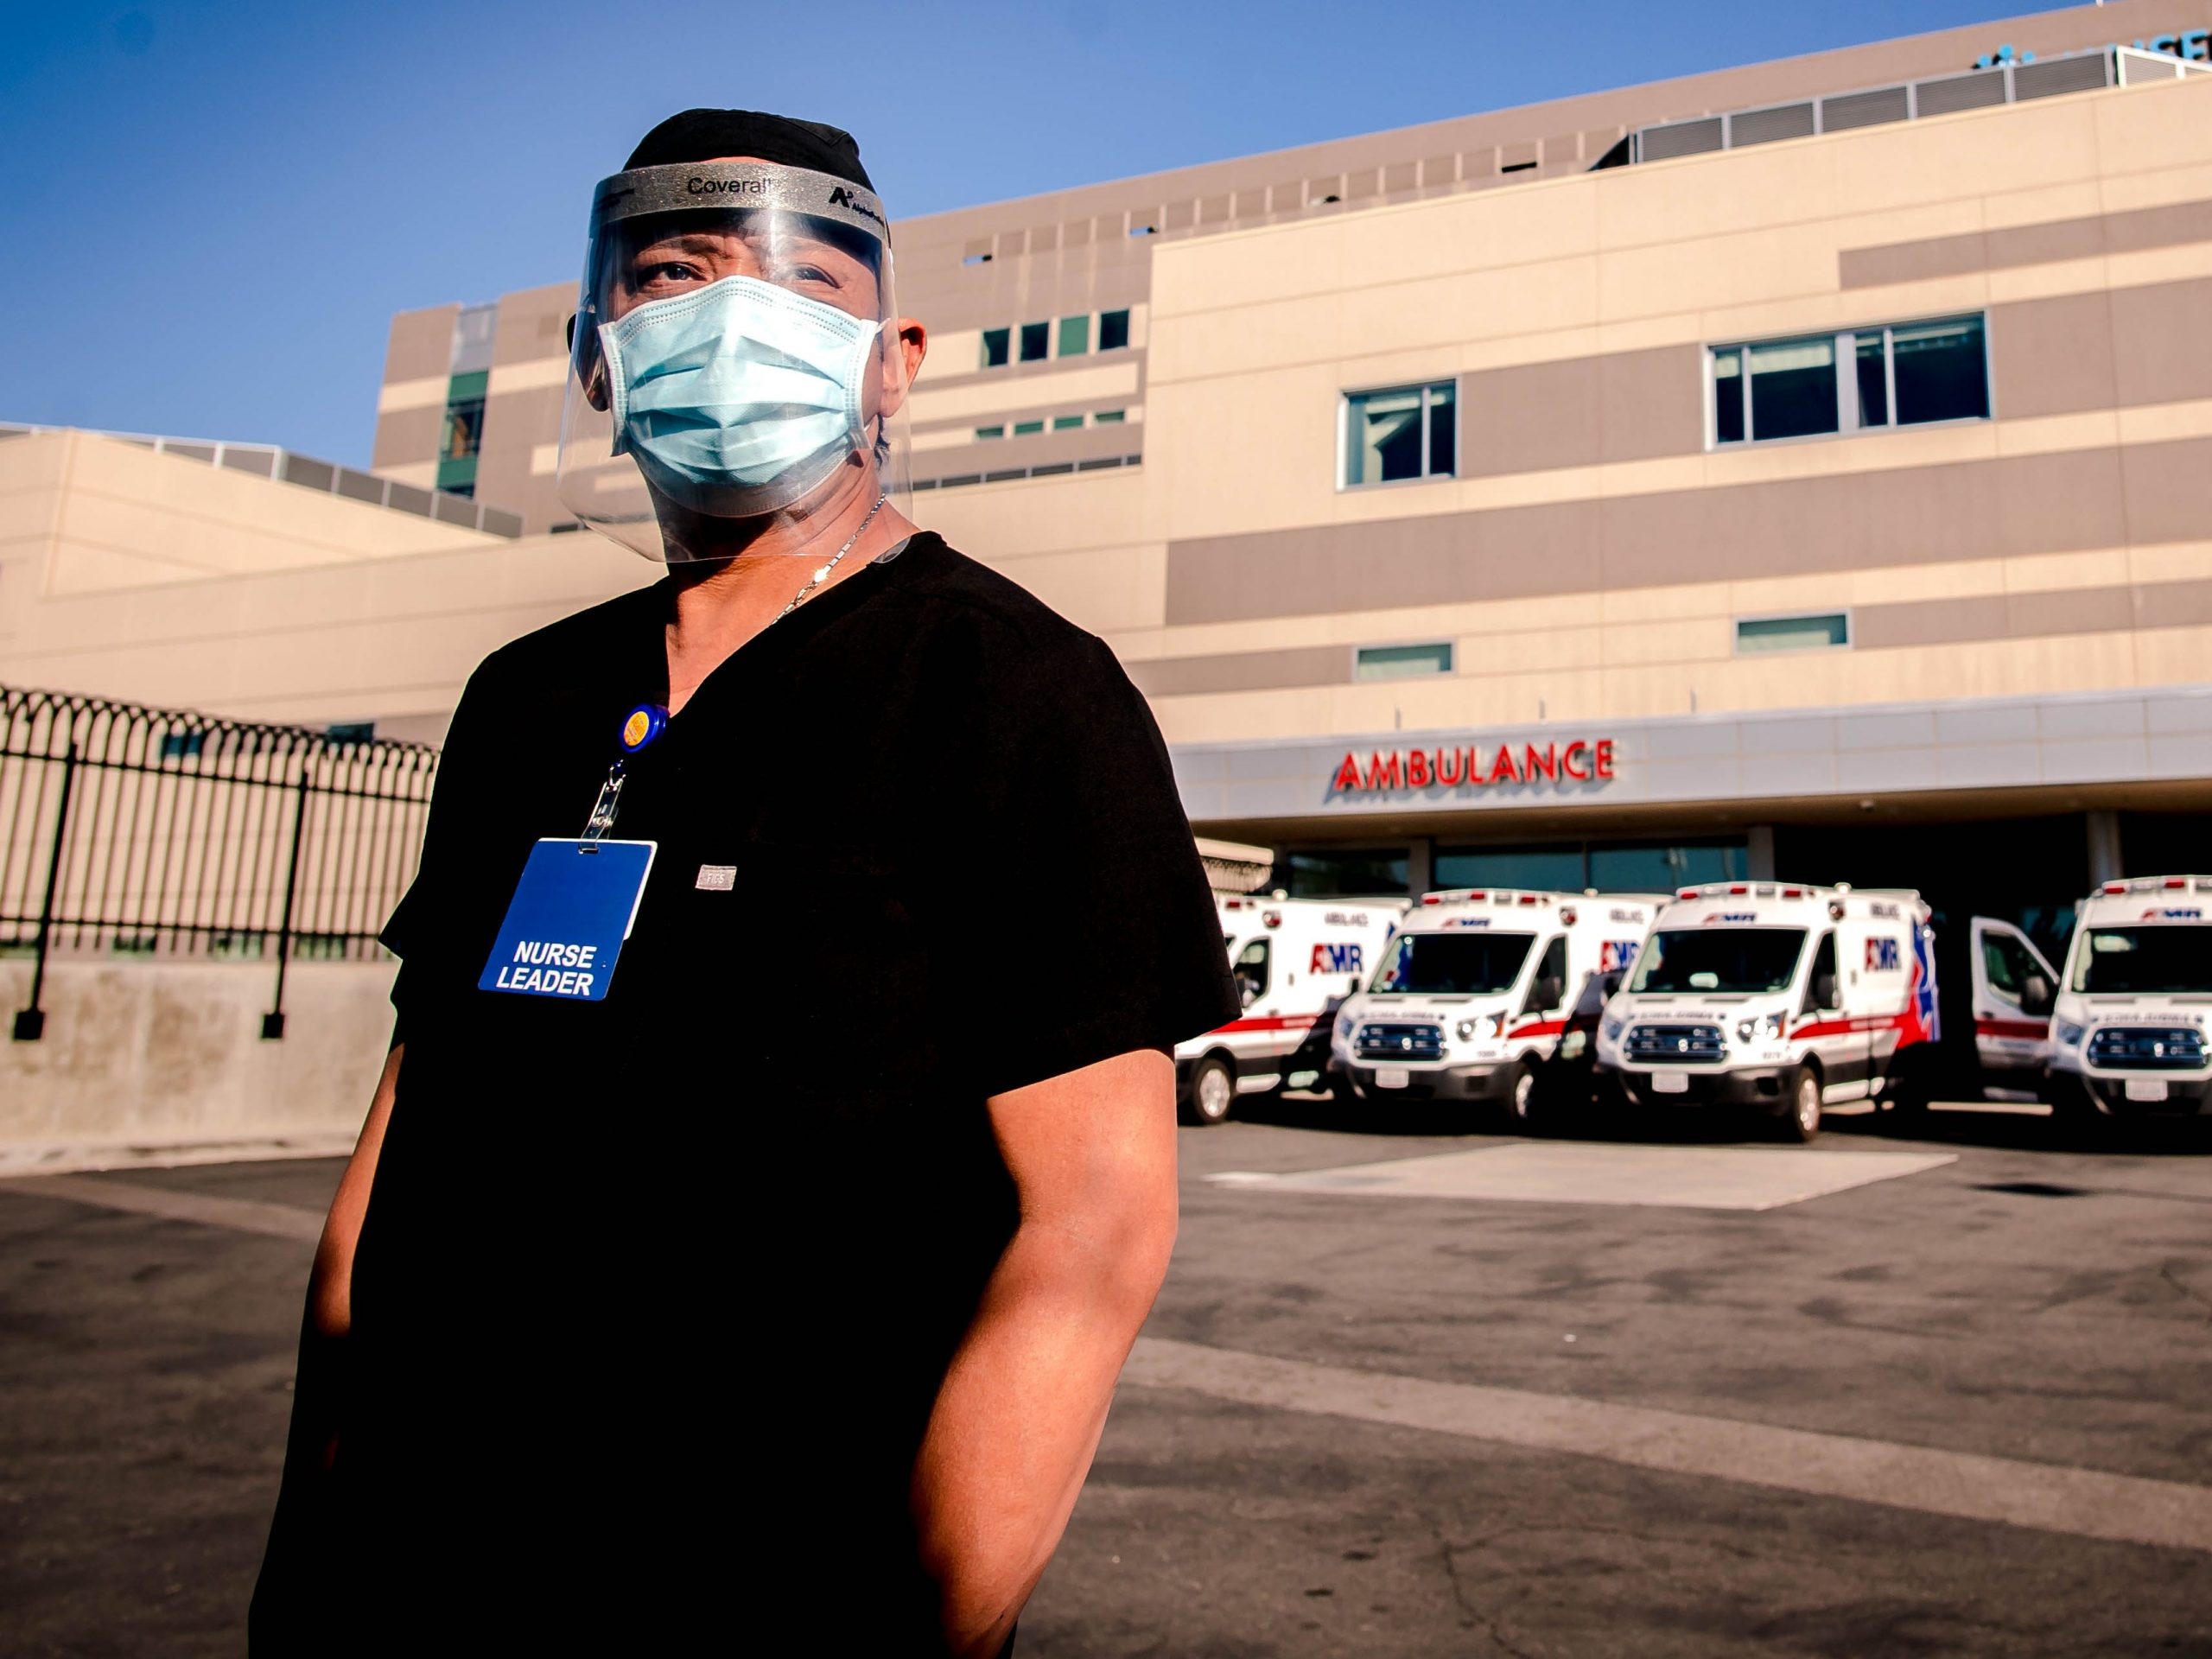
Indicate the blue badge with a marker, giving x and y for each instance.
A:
(565, 926)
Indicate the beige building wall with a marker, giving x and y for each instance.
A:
(1090, 249)
(1591, 555)
(130, 574)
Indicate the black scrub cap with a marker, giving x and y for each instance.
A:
(705, 135)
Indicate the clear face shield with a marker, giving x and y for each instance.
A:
(736, 356)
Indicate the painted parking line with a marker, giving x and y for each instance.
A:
(239, 1215)
(2082, 1502)
(1697, 1178)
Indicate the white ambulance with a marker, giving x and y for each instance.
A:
(2128, 1031)
(1474, 999)
(1777, 996)
(1295, 960)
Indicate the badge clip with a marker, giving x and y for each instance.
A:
(602, 811)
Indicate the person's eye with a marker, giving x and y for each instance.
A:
(812, 275)
(669, 273)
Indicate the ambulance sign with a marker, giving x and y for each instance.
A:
(1478, 765)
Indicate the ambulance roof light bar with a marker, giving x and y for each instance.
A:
(1476, 895)
(2158, 883)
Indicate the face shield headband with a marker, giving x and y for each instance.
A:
(728, 343)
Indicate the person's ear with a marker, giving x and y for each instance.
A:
(908, 342)
(592, 372)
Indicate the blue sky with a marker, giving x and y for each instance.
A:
(215, 208)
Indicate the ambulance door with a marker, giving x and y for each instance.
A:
(1543, 1009)
(2013, 989)
(1828, 1021)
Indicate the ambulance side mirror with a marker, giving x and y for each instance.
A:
(1550, 992)
(1824, 993)
(2036, 994)
(1248, 994)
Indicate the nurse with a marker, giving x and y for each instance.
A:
(757, 1281)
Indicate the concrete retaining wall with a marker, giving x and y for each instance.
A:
(156, 1054)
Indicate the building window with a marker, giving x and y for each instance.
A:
(1109, 418)
(1344, 873)
(990, 431)
(1406, 432)
(1401, 662)
(1035, 338)
(995, 344)
(1609, 867)
(1793, 632)
(1023, 428)
(183, 745)
(1067, 423)
(1113, 330)
(464, 432)
(1904, 374)
(1074, 336)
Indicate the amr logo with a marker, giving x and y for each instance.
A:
(1882, 957)
(1337, 959)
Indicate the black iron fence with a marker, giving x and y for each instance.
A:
(131, 832)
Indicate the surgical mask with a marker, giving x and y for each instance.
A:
(739, 397)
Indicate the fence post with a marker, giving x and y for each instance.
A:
(272, 1023)
(30, 1023)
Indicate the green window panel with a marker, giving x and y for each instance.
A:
(1793, 632)
(1074, 336)
(1401, 662)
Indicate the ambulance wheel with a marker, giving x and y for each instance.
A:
(1521, 1103)
(1801, 1113)
(1212, 1092)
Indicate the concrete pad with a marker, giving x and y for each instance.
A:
(1692, 1177)
(22, 1158)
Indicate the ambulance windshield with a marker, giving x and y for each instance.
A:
(1452, 964)
(2167, 961)
(1723, 960)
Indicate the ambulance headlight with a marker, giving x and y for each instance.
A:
(1344, 1024)
(2067, 1034)
(1481, 1025)
(1764, 1028)
(1613, 1029)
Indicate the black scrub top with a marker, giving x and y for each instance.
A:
(654, 1294)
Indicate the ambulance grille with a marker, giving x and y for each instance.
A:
(2147, 1048)
(1676, 1045)
(1395, 1041)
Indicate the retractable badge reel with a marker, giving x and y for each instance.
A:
(577, 898)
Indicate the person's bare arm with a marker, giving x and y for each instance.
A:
(330, 1287)
(1092, 1154)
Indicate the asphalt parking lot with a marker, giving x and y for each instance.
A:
(1406, 1393)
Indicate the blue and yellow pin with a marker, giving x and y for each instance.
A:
(642, 725)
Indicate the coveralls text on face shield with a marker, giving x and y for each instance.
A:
(739, 397)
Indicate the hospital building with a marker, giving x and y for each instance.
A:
(1802, 469)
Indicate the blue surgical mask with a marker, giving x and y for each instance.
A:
(739, 397)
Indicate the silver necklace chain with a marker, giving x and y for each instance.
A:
(823, 575)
